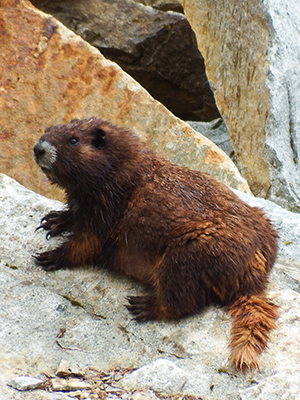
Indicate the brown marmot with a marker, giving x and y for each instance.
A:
(180, 231)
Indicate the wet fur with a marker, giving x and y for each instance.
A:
(180, 231)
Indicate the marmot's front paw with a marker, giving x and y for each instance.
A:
(54, 222)
(50, 260)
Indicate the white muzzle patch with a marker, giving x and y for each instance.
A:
(44, 154)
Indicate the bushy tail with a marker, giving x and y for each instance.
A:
(253, 318)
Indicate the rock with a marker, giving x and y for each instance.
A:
(269, 389)
(283, 125)
(143, 395)
(165, 376)
(156, 48)
(217, 132)
(251, 51)
(26, 383)
(67, 369)
(49, 76)
(59, 396)
(65, 385)
(40, 324)
(164, 5)
(233, 41)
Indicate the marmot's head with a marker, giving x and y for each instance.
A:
(84, 151)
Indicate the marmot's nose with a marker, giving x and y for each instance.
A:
(38, 149)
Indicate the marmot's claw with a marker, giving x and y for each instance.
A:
(49, 235)
(44, 224)
(39, 227)
(44, 219)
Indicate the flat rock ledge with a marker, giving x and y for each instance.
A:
(71, 327)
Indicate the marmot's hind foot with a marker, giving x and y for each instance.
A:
(141, 307)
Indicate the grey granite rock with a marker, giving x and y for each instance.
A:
(251, 50)
(26, 383)
(79, 316)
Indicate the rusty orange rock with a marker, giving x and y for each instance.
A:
(49, 76)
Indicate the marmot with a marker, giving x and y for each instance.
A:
(180, 231)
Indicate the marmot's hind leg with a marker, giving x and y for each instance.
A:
(177, 291)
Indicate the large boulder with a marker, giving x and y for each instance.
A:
(251, 51)
(157, 48)
(77, 318)
(49, 76)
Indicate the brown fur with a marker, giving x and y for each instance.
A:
(180, 231)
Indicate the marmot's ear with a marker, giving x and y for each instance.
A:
(99, 137)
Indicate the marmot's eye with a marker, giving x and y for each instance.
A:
(73, 141)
